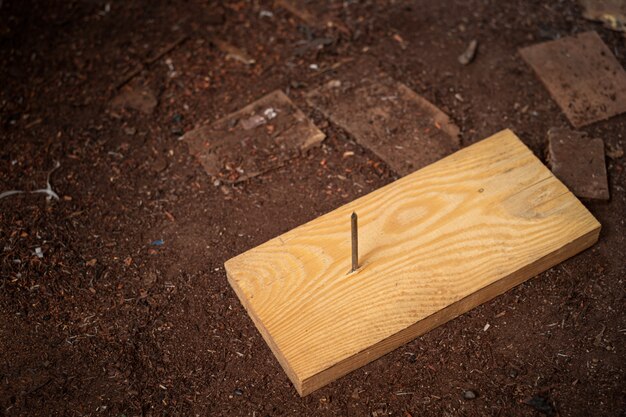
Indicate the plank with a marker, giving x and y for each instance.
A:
(432, 245)
(582, 75)
(403, 128)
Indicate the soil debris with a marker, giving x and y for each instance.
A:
(151, 60)
(470, 53)
(300, 10)
(135, 96)
(233, 52)
(542, 404)
(469, 395)
(612, 13)
(253, 121)
(614, 152)
(598, 339)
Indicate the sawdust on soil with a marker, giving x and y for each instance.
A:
(128, 310)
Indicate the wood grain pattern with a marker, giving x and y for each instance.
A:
(432, 245)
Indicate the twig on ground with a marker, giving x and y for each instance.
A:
(146, 63)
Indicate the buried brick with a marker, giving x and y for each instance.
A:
(578, 162)
(257, 138)
(387, 117)
(582, 76)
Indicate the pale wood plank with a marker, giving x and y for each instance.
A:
(433, 245)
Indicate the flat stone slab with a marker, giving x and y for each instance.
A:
(582, 76)
(578, 162)
(259, 137)
(387, 117)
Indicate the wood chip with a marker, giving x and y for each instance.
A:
(232, 51)
(468, 56)
(300, 9)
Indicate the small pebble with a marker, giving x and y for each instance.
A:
(269, 113)
(238, 391)
(614, 152)
(469, 395)
(468, 56)
(334, 84)
(297, 84)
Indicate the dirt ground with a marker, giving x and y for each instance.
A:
(109, 322)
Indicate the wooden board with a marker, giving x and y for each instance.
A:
(433, 245)
(582, 76)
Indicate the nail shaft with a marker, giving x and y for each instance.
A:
(355, 242)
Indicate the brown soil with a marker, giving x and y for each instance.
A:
(106, 323)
